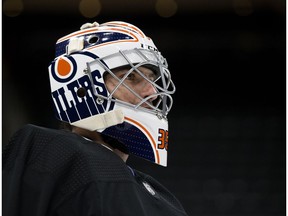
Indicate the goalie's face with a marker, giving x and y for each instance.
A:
(132, 86)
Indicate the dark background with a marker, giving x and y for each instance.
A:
(227, 147)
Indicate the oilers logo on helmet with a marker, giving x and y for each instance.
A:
(76, 100)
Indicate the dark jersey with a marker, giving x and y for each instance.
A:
(49, 172)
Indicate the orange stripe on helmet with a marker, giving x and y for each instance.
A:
(120, 41)
(127, 25)
(149, 135)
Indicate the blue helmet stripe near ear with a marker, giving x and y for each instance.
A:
(103, 37)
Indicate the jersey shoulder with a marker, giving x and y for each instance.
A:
(64, 156)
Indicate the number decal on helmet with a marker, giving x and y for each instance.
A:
(163, 139)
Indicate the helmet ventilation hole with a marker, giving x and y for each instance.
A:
(93, 40)
(81, 92)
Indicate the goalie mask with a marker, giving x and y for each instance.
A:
(79, 74)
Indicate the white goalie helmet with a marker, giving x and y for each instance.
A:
(81, 97)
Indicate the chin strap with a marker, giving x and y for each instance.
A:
(101, 121)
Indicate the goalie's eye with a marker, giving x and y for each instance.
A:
(131, 76)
